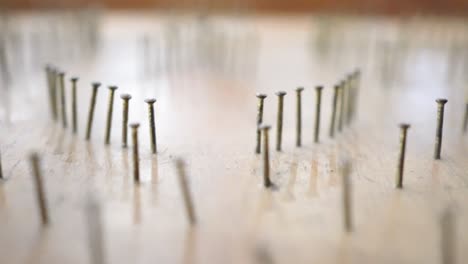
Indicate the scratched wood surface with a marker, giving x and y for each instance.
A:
(204, 72)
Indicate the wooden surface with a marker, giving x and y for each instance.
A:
(204, 74)
(369, 7)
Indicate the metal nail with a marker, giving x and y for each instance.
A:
(91, 109)
(126, 98)
(261, 98)
(346, 195)
(50, 76)
(448, 236)
(136, 158)
(109, 114)
(40, 192)
(333, 115)
(401, 160)
(440, 123)
(189, 208)
(318, 103)
(279, 123)
(61, 76)
(152, 125)
(74, 106)
(266, 156)
(298, 116)
(465, 119)
(341, 93)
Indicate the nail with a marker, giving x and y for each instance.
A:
(136, 166)
(150, 103)
(440, 124)
(279, 123)
(401, 159)
(261, 98)
(298, 116)
(185, 191)
(447, 236)
(342, 105)
(95, 233)
(465, 120)
(349, 98)
(1, 168)
(91, 109)
(346, 196)
(74, 110)
(318, 103)
(125, 98)
(266, 156)
(34, 160)
(336, 88)
(109, 114)
(61, 76)
(355, 83)
(50, 76)
(54, 78)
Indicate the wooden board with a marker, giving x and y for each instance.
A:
(204, 73)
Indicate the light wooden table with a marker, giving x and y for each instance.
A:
(204, 74)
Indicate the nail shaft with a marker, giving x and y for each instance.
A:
(125, 101)
(349, 98)
(50, 75)
(333, 115)
(61, 76)
(447, 237)
(91, 110)
(266, 156)
(279, 123)
(54, 99)
(342, 88)
(465, 119)
(355, 83)
(34, 159)
(136, 158)
(109, 114)
(1, 168)
(346, 197)
(95, 233)
(74, 106)
(401, 160)
(298, 116)
(440, 124)
(189, 208)
(261, 98)
(152, 125)
(318, 102)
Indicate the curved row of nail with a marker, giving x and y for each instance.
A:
(263, 130)
(345, 97)
(56, 83)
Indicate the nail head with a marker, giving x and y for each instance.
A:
(150, 100)
(441, 100)
(405, 126)
(134, 125)
(126, 96)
